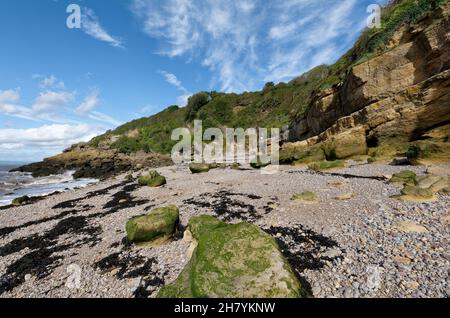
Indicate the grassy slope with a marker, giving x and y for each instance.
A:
(274, 106)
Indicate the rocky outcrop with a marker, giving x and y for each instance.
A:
(420, 189)
(233, 261)
(395, 98)
(89, 162)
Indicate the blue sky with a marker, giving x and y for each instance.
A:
(133, 58)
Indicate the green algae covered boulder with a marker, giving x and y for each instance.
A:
(326, 165)
(199, 167)
(417, 194)
(160, 224)
(233, 261)
(405, 177)
(257, 164)
(152, 179)
(22, 200)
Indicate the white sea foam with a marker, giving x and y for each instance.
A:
(17, 184)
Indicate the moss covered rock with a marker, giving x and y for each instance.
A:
(346, 145)
(306, 197)
(21, 200)
(233, 261)
(257, 164)
(433, 182)
(417, 194)
(199, 167)
(301, 153)
(326, 165)
(402, 178)
(235, 166)
(152, 179)
(160, 225)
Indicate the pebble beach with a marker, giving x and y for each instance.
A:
(357, 240)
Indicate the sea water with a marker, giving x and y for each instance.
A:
(17, 184)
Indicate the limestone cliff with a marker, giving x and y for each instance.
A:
(386, 102)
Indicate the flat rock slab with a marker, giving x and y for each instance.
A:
(410, 227)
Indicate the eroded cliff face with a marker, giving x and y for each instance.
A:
(386, 102)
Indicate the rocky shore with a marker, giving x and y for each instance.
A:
(355, 239)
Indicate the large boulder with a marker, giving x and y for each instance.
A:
(159, 225)
(152, 179)
(405, 177)
(257, 164)
(347, 144)
(21, 200)
(326, 165)
(233, 261)
(199, 167)
(301, 152)
(417, 194)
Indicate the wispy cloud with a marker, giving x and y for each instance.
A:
(50, 100)
(99, 116)
(46, 140)
(55, 107)
(89, 103)
(49, 82)
(9, 96)
(175, 82)
(90, 25)
(242, 42)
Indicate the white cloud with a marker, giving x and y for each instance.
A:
(49, 101)
(104, 118)
(90, 25)
(47, 139)
(174, 81)
(242, 42)
(47, 82)
(16, 111)
(90, 102)
(86, 108)
(9, 96)
(9, 107)
(34, 143)
(46, 135)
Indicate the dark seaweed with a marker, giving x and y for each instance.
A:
(6, 230)
(73, 203)
(226, 207)
(132, 265)
(342, 175)
(43, 258)
(302, 247)
(124, 200)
